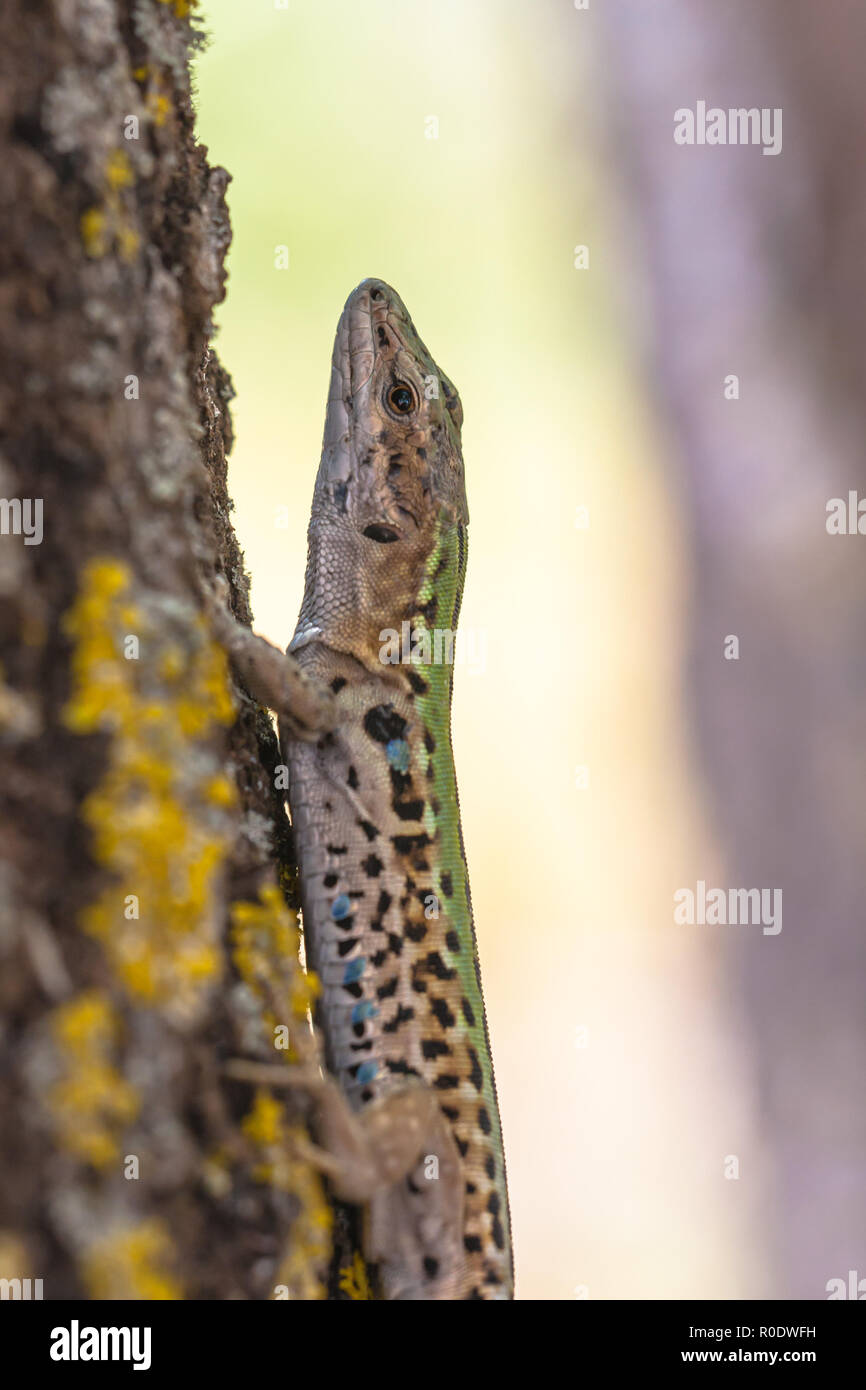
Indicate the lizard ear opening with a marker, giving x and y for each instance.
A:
(383, 534)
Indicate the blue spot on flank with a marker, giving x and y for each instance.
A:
(366, 1072)
(341, 907)
(397, 753)
(354, 970)
(366, 1009)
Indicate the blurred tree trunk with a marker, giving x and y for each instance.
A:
(756, 268)
(143, 939)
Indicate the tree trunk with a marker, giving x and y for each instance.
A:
(144, 940)
(756, 269)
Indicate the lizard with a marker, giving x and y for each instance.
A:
(385, 900)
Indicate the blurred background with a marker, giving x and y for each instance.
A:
(681, 1103)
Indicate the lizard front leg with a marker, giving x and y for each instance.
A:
(305, 707)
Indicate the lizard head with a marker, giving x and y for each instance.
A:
(390, 484)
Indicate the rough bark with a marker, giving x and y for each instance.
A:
(756, 268)
(144, 940)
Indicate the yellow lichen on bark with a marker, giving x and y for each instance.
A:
(354, 1281)
(132, 1262)
(161, 818)
(91, 1103)
(266, 952)
(284, 1164)
(108, 224)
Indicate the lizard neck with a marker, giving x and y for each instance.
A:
(379, 604)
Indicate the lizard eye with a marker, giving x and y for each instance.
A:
(401, 399)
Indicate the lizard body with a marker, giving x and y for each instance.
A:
(384, 889)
